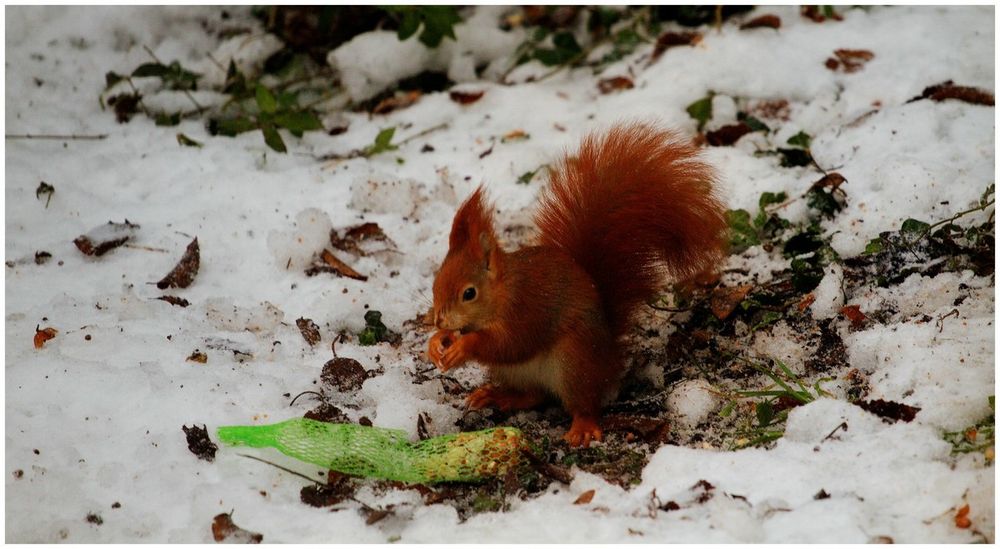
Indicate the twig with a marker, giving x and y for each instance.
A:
(423, 133)
(147, 248)
(285, 469)
(843, 426)
(96, 137)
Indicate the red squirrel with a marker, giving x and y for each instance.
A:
(632, 205)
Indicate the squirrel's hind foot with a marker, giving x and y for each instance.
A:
(584, 430)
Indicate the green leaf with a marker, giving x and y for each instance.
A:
(231, 126)
(823, 201)
(375, 331)
(794, 157)
(874, 246)
(265, 100)
(701, 110)
(439, 21)
(408, 26)
(767, 198)
(755, 124)
(800, 139)
(236, 83)
(526, 177)
(765, 413)
(383, 142)
(913, 227)
(110, 79)
(727, 410)
(742, 234)
(298, 122)
(273, 138)
(187, 141)
(151, 69)
(802, 243)
(766, 319)
(168, 119)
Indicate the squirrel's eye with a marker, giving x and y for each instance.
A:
(469, 294)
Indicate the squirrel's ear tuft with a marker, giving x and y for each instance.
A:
(473, 225)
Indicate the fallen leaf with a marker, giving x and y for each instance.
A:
(198, 356)
(223, 529)
(851, 60)
(199, 443)
(184, 272)
(854, 314)
(515, 135)
(608, 85)
(889, 410)
(948, 90)
(806, 301)
(173, 300)
(106, 237)
(399, 101)
(584, 498)
(669, 40)
(309, 330)
(724, 300)
(43, 335)
(45, 188)
(727, 135)
(464, 98)
(357, 239)
(767, 21)
(962, 517)
(331, 264)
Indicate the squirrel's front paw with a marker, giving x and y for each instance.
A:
(440, 341)
(453, 356)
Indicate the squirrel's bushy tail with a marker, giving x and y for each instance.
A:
(633, 204)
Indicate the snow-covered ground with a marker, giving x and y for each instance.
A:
(94, 417)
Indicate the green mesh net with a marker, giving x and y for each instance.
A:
(386, 453)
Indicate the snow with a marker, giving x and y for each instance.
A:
(105, 413)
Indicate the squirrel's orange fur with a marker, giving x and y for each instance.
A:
(630, 206)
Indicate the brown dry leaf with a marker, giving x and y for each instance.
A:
(608, 85)
(106, 237)
(727, 135)
(513, 135)
(465, 98)
(223, 529)
(43, 335)
(184, 272)
(962, 517)
(813, 13)
(725, 300)
(668, 40)
(199, 443)
(948, 90)
(584, 498)
(850, 60)
(398, 101)
(854, 314)
(198, 356)
(833, 180)
(173, 300)
(771, 109)
(889, 410)
(330, 264)
(356, 236)
(767, 21)
(310, 331)
(806, 301)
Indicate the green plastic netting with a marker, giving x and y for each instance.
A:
(386, 453)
